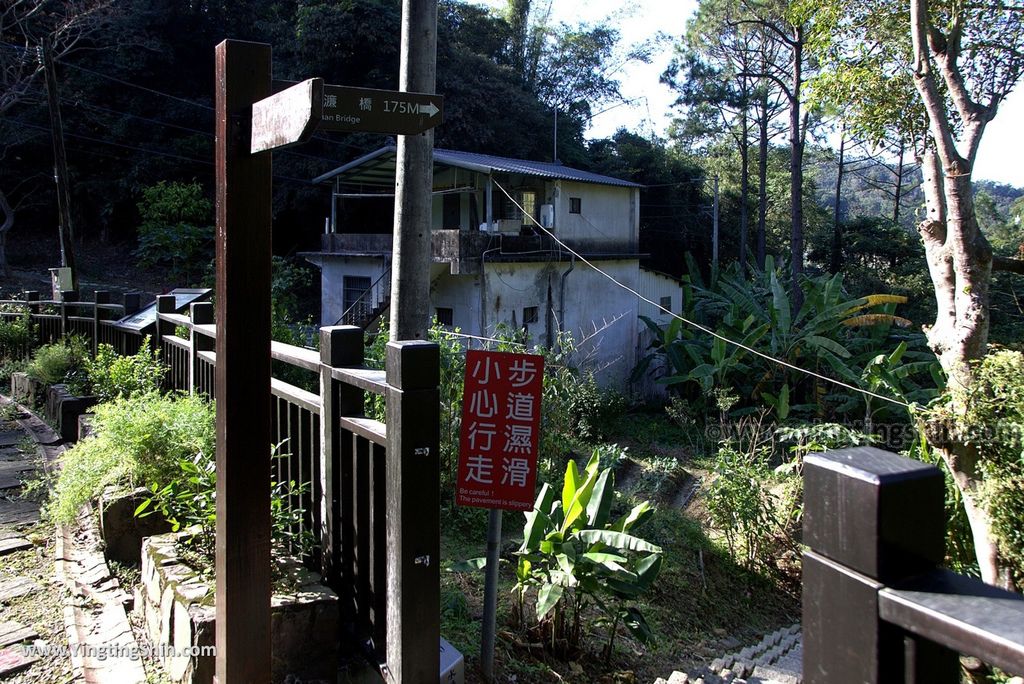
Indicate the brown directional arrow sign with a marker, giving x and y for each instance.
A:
(286, 118)
(379, 111)
(290, 116)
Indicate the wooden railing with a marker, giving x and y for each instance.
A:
(53, 319)
(361, 483)
(877, 606)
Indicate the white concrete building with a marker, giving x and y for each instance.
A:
(491, 264)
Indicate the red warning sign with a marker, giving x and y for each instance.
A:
(500, 430)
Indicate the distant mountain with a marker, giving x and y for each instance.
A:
(869, 188)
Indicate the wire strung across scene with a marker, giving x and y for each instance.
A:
(694, 324)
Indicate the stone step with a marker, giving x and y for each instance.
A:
(775, 659)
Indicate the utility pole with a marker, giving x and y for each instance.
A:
(60, 166)
(410, 272)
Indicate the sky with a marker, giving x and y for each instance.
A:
(649, 102)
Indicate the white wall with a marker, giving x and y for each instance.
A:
(601, 316)
(607, 212)
(654, 286)
(332, 279)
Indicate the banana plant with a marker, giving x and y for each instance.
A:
(575, 553)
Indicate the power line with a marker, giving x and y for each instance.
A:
(695, 325)
(135, 85)
(171, 155)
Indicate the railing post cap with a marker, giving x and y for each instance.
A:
(341, 345)
(166, 303)
(413, 364)
(873, 511)
(201, 312)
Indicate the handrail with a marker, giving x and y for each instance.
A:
(877, 606)
(384, 278)
(961, 613)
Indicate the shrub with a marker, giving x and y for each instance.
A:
(994, 422)
(112, 375)
(574, 555)
(136, 440)
(16, 337)
(52, 363)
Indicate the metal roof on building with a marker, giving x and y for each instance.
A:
(378, 168)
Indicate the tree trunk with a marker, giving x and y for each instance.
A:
(5, 227)
(796, 178)
(744, 188)
(762, 181)
(960, 264)
(836, 260)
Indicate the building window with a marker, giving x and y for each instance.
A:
(575, 205)
(353, 288)
(445, 316)
(666, 303)
(530, 315)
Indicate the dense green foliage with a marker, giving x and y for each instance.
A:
(136, 441)
(994, 424)
(59, 361)
(575, 553)
(112, 375)
(832, 334)
(176, 231)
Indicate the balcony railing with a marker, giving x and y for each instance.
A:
(467, 248)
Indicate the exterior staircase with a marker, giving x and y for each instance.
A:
(370, 305)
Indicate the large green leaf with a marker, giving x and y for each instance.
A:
(538, 524)
(780, 305)
(600, 557)
(548, 597)
(617, 540)
(638, 514)
(581, 499)
(570, 485)
(636, 624)
(828, 344)
(601, 499)
(648, 569)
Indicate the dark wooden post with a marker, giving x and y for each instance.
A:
(66, 296)
(98, 314)
(201, 314)
(32, 301)
(243, 76)
(165, 304)
(340, 346)
(413, 502)
(871, 518)
(132, 302)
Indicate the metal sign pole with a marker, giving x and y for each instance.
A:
(490, 594)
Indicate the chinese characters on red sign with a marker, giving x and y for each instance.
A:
(500, 430)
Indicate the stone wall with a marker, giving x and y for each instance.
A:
(177, 606)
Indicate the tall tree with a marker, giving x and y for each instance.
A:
(25, 27)
(949, 64)
(787, 23)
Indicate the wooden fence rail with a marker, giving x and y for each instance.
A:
(340, 465)
(877, 606)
